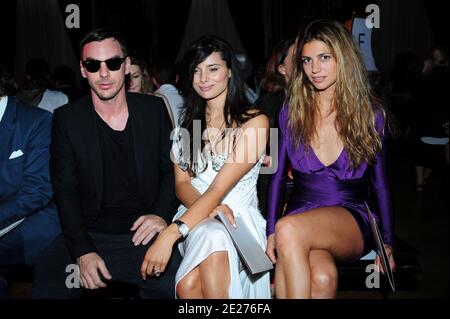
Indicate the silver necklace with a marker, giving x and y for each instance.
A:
(215, 162)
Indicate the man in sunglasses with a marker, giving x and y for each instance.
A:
(113, 181)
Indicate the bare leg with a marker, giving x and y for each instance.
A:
(210, 279)
(280, 283)
(329, 228)
(190, 286)
(215, 276)
(324, 276)
(292, 265)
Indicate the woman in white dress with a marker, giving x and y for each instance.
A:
(215, 173)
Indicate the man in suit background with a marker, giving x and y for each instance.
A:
(112, 177)
(28, 219)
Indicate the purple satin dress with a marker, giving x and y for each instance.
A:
(317, 185)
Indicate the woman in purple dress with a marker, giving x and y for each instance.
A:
(332, 131)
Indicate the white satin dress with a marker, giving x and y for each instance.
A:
(210, 235)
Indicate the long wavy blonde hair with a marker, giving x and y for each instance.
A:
(354, 100)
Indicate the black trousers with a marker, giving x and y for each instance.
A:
(122, 258)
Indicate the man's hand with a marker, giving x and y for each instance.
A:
(90, 264)
(146, 227)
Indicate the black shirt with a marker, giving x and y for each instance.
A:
(121, 204)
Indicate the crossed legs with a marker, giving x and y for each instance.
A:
(307, 245)
(210, 279)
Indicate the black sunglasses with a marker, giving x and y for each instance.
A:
(113, 64)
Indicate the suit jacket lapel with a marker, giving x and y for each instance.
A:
(137, 125)
(90, 137)
(7, 125)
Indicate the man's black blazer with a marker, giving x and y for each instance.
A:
(76, 165)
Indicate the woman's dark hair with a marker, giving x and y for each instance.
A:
(236, 106)
(7, 84)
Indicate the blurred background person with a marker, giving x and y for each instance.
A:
(276, 78)
(430, 118)
(274, 83)
(35, 88)
(64, 81)
(164, 78)
(139, 77)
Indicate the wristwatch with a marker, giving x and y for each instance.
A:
(182, 228)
